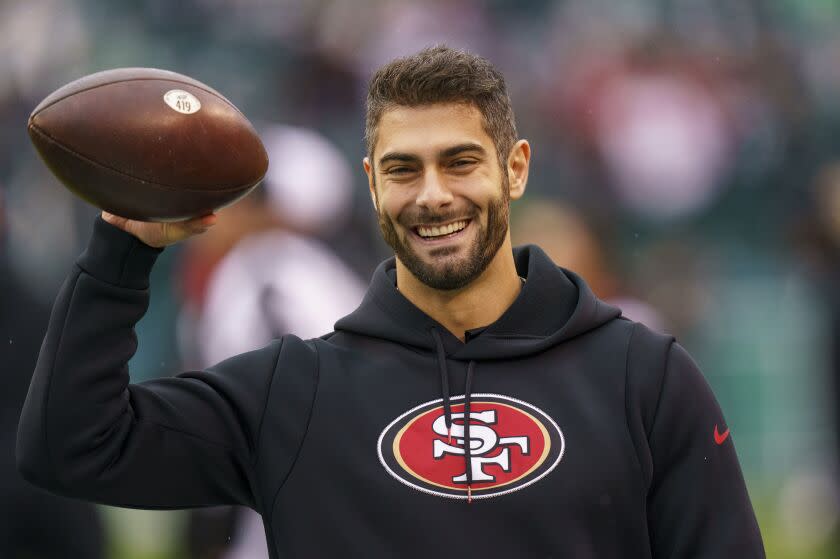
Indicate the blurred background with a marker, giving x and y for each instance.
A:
(686, 163)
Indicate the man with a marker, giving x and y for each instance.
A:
(588, 435)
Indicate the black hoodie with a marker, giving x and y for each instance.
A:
(589, 435)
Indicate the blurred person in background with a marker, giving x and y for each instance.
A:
(575, 243)
(827, 198)
(319, 435)
(33, 523)
(818, 237)
(276, 279)
(282, 280)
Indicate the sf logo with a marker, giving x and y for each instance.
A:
(483, 442)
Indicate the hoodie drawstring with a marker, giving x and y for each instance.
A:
(447, 406)
(467, 439)
(444, 383)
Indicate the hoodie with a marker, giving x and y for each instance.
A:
(560, 430)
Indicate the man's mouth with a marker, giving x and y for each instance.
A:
(441, 231)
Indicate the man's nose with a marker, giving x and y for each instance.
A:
(433, 193)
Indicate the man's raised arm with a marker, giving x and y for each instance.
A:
(85, 432)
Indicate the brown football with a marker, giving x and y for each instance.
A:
(148, 144)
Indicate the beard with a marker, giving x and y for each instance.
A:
(448, 271)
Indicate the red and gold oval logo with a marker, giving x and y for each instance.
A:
(513, 444)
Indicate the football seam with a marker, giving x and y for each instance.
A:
(157, 185)
(205, 89)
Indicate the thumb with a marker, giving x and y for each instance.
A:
(115, 220)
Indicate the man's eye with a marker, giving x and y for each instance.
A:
(461, 163)
(399, 171)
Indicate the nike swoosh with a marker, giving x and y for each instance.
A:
(721, 437)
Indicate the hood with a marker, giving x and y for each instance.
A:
(554, 305)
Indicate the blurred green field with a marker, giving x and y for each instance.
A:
(156, 535)
(776, 540)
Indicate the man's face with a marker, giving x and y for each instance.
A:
(441, 196)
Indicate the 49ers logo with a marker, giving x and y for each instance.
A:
(512, 445)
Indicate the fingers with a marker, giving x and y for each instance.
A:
(206, 221)
(160, 234)
(114, 220)
(174, 232)
(199, 225)
(209, 219)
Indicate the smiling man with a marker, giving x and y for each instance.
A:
(442, 190)
(480, 402)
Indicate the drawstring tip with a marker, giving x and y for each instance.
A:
(469, 494)
(449, 434)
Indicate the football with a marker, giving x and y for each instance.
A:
(148, 144)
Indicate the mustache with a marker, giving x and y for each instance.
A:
(425, 217)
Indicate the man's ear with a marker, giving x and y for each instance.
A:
(517, 168)
(369, 171)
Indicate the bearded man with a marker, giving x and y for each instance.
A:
(480, 402)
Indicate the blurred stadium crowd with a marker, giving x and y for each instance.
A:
(686, 163)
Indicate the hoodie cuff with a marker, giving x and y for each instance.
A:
(117, 257)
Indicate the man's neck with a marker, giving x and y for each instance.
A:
(478, 304)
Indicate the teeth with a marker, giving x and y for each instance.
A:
(439, 231)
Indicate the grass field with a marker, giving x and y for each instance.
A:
(155, 535)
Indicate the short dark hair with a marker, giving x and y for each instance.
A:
(441, 74)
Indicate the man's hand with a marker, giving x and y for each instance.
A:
(161, 234)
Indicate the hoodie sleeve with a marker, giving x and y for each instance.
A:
(85, 432)
(698, 504)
